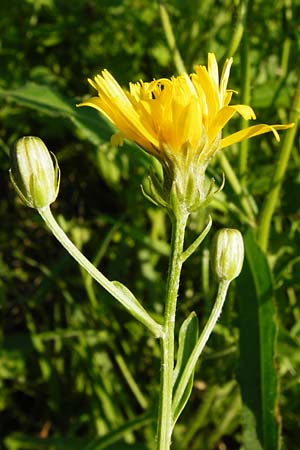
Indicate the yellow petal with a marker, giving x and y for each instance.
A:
(213, 69)
(224, 115)
(251, 132)
(207, 90)
(224, 81)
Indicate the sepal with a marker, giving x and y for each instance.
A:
(155, 192)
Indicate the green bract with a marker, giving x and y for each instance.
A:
(34, 172)
(228, 254)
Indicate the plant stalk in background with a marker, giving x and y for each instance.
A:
(278, 176)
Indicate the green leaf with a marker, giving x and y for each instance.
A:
(124, 289)
(17, 441)
(46, 100)
(258, 334)
(188, 336)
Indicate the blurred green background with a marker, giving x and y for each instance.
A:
(76, 372)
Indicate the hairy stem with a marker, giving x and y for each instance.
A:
(165, 419)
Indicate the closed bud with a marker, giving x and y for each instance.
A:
(34, 172)
(227, 254)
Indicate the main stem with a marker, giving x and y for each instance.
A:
(165, 419)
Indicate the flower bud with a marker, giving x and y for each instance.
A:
(227, 254)
(34, 172)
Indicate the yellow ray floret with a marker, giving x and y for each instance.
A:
(171, 114)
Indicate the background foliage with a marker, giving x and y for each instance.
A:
(76, 372)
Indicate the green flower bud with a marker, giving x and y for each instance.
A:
(228, 254)
(34, 172)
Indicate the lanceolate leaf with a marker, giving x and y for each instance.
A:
(48, 101)
(258, 332)
(188, 336)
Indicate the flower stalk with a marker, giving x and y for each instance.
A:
(120, 293)
(195, 355)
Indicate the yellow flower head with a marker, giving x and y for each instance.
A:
(169, 115)
(180, 122)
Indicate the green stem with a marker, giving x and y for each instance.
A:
(285, 57)
(165, 419)
(277, 179)
(245, 100)
(209, 326)
(171, 41)
(239, 28)
(128, 301)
